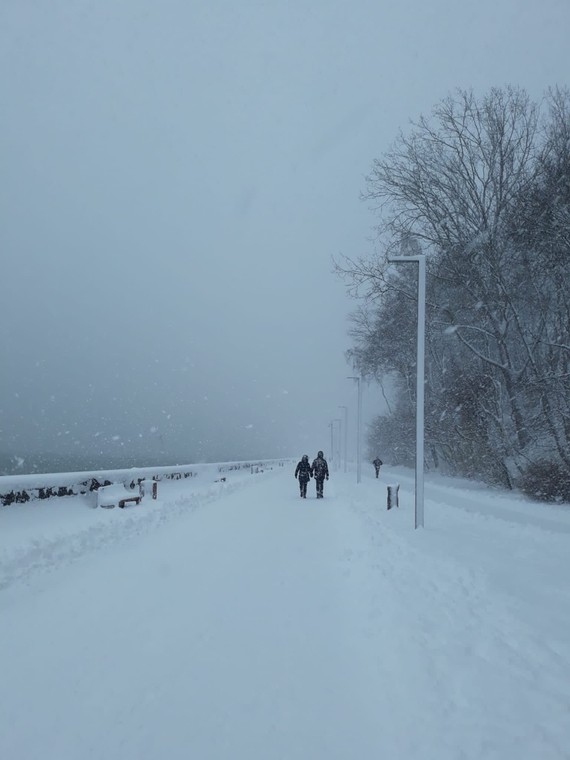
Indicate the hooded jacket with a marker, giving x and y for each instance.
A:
(303, 470)
(320, 468)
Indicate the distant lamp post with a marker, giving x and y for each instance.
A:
(345, 433)
(420, 381)
(358, 427)
(337, 457)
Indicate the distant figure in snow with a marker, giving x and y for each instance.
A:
(377, 464)
(320, 471)
(303, 470)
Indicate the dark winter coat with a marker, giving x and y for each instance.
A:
(377, 462)
(320, 468)
(303, 470)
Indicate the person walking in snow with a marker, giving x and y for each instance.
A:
(377, 464)
(320, 471)
(303, 471)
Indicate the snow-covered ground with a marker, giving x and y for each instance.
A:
(234, 620)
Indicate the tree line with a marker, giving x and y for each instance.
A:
(482, 188)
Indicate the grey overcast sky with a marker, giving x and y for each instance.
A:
(175, 178)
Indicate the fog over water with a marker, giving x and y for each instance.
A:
(175, 179)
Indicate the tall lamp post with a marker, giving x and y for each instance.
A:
(338, 419)
(358, 426)
(420, 381)
(331, 425)
(345, 433)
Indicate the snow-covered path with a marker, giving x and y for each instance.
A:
(264, 626)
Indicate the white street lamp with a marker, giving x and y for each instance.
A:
(358, 427)
(345, 433)
(336, 456)
(420, 382)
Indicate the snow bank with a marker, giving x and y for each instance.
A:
(22, 488)
(45, 534)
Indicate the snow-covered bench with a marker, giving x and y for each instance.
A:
(116, 496)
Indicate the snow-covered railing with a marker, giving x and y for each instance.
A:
(18, 489)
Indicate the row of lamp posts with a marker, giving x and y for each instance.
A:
(420, 380)
(336, 452)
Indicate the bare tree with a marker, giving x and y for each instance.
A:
(458, 184)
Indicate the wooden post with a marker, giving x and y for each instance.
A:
(393, 496)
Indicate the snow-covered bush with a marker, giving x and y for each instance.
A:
(546, 481)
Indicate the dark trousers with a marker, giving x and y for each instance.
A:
(303, 487)
(377, 471)
(320, 483)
